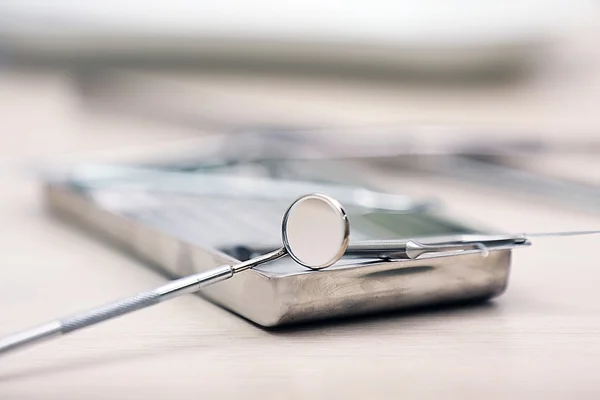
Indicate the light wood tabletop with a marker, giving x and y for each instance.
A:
(541, 339)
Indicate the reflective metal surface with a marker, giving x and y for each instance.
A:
(192, 283)
(32, 336)
(412, 249)
(280, 293)
(315, 231)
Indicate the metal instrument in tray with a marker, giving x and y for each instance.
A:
(188, 232)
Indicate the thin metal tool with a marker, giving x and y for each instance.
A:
(315, 233)
(412, 249)
(553, 234)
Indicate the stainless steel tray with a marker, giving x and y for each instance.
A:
(283, 292)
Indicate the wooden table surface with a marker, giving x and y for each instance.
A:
(541, 339)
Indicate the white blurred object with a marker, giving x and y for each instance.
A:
(431, 35)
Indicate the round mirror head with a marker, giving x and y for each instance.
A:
(315, 231)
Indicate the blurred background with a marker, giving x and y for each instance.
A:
(480, 90)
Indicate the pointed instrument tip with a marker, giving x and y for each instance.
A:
(558, 234)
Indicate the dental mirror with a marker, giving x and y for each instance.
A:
(315, 233)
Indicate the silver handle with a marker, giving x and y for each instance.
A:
(411, 249)
(63, 326)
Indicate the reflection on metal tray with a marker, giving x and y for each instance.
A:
(185, 232)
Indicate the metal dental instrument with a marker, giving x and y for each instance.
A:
(315, 233)
(412, 249)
